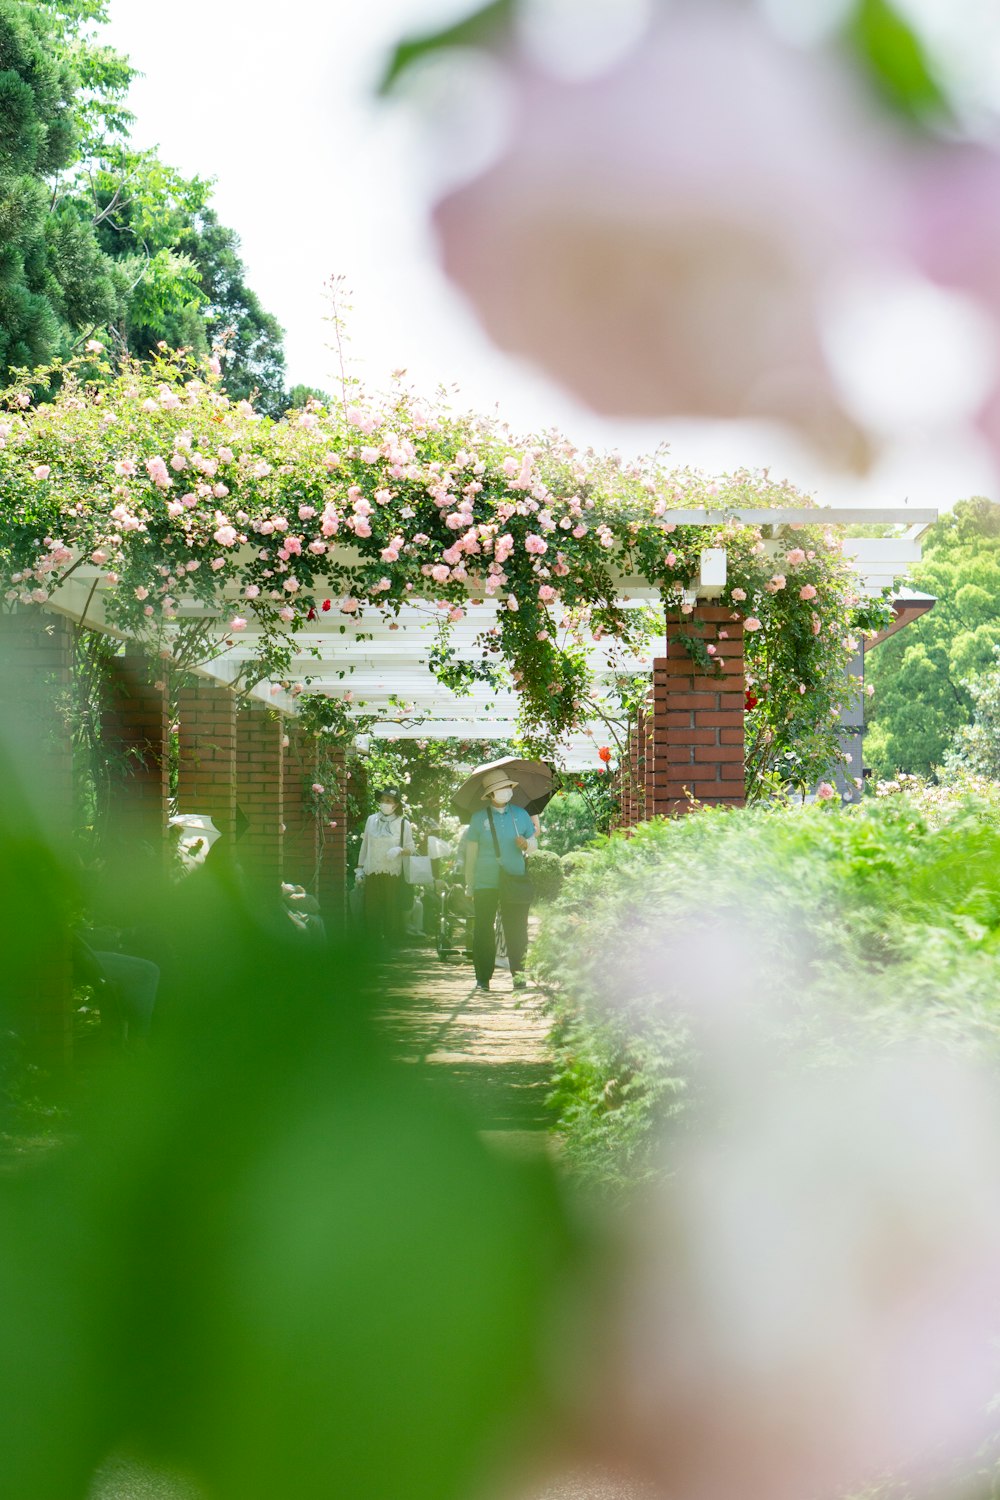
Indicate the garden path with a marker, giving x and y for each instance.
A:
(495, 1046)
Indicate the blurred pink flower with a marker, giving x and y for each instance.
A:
(658, 238)
(751, 623)
(807, 591)
(42, 471)
(825, 792)
(813, 1291)
(795, 557)
(738, 595)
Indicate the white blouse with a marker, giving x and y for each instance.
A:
(382, 834)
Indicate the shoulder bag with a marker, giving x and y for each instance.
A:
(514, 889)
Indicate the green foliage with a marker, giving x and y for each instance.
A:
(977, 745)
(582, 810)
(889, 913)
(429, 502)
(923, 675)
(546, 873)
(489, 26)
(268, 1256)
(896, 61)
(96, 237)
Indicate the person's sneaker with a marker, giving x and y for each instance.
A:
(482, 989)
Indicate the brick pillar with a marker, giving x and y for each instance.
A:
(135, 725)
(332, 893)
(302, 830)
(635, 774)
(698, 745)
(260, 792)
(206, 776)
(644, 763)
(36, 986)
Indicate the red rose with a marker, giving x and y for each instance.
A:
(604, 754)
(326, 605)
(749, 702)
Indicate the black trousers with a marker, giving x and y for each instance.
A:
(514, 916)
(383, 915)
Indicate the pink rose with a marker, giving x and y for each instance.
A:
(795, 557)
(807, 591)
(824, 792)
(738, 595)
(42, 471)
(751, 623)
(237, 623)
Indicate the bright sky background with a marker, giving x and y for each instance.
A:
(276, 103)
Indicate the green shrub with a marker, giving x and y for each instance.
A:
(888, 913)
(546, 875)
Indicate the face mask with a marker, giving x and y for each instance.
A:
(387, 807)
(503, 796)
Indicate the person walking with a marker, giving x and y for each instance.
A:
(386, 845)
(499, 837)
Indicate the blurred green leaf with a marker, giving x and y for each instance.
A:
(484, 28)
(896, 61)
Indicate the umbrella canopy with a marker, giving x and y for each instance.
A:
(535, 784)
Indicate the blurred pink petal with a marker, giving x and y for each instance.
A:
(657, 239)
(954, 235)
(814, 1292)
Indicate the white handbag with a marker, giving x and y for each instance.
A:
(418, 870)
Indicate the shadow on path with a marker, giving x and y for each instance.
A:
(493, 1046)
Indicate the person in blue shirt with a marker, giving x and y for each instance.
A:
(512, 836)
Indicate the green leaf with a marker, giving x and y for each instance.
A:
(484, 28)
(896, 61)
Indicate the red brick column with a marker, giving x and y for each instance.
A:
(260, 793)
(698, 746)
(206, 776)
(332, 892)
(135, 728)
(36, 669)
(302, 831)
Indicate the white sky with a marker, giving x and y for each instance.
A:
(276, 103)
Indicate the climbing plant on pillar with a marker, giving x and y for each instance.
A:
(171, 496)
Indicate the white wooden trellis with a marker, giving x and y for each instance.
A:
(385, 669)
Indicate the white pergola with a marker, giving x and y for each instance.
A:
(383, 663)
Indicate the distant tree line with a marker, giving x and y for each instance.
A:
(99, 239)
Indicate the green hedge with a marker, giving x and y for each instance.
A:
(888, 913)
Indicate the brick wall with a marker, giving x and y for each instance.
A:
(134, 727)
(207, 754)
(302, 832)
(260, 793)
(698, 735)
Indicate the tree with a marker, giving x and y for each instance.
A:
(924, 675)
(977, 745)
(51, 277)
(97, 238)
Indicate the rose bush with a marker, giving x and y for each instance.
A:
(170, 495)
